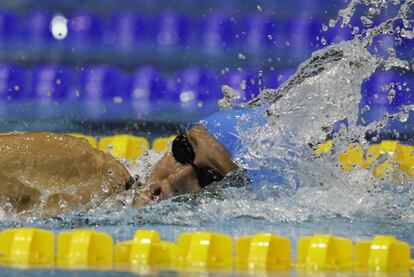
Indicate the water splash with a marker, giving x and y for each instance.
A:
(325, 88)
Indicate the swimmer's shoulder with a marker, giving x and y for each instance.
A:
(25, 138)
(46, 145)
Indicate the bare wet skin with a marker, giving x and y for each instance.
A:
(54, 173)
(170, 177)
(47, 174)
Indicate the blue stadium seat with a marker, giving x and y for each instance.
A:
(301, 36)
(36, 29)
(283, 75)
(374, 93)
(195, 85)
(261, 31)
(8, 27)
(102, 82)
(172, 94)
(12, 82)
(51, 82)
(128, 30)
(338, 34)
(217, 33)
(146, 85)
(405, 47)
(404, 96)
(376, 90)
(212, 92)
(272, 80)
(402, 86)
(245, 84)
(172, 30)
(85, 30)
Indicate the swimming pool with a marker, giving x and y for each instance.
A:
(122, 224)
(319, 197)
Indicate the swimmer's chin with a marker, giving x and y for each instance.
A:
(142, 201)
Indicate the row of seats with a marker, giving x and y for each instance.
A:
(130, 38)
(327, 7)
(384, 89)
(146, 84)
(210, 33)
(386, 92)
(202, 252)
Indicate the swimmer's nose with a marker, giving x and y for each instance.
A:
(161, 190)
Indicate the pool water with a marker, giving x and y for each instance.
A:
(315, 196)
(110, 221)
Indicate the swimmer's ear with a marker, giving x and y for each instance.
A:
(133, 182)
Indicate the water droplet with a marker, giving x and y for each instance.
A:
(403, 117)
(260, 77)
(117, 100)
(59, 27)
(355, 30)
(391, 95)
(407, 33)
(243, 85)
(187, 96)
(62, 203)
(373, 11)
(105, 189)
(109, 148)
(365, 108)
(366, 21)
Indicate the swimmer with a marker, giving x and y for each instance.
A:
(57, 173)
(202, 155)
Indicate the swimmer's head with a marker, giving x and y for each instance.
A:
(222, 126)
(172, 177)
(215, 143)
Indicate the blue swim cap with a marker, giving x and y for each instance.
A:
(223, 126)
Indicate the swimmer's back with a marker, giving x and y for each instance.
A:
(57, 171)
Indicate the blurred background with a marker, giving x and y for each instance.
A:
(152, 66)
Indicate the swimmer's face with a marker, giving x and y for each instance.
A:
(170, 177)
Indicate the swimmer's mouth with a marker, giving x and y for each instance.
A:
(155, 194)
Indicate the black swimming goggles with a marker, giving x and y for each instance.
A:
(183, 152)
